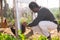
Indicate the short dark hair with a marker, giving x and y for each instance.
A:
(33, 5)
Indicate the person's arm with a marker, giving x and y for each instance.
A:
(40, 17)
(34, 23)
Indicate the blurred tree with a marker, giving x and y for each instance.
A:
(8, 12)
(56, 13)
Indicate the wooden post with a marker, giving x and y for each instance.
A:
(0, 7)
(1, 14)
(16, 15)
(16, 29)
(59, 7)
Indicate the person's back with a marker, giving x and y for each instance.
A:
(46, 14)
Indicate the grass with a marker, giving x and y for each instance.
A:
(22, 37)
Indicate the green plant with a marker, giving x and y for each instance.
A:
(21, 36)
(55, 38)
(23, 19)
(58, 21)
(6, 37)
(42, 37)
(10, 37)
(13, 21)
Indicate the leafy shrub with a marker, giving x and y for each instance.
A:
(58, 21)
(23, 19)
(55, 38)
(42, 37)
(21, 36)
(10, 37)
(6, 37)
